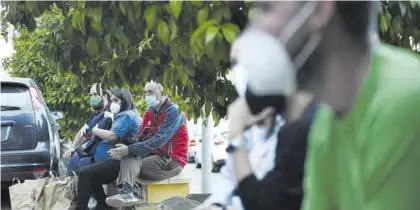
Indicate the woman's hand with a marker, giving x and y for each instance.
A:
(240, 117)
(68, 153)
(84, 128)
(109, 114)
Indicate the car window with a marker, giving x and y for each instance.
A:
(15, 97)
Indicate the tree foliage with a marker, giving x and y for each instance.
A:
(399, 24)
(183, 45)
(67, 46)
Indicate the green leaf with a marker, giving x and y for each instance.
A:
(207, 109)
(166, 77)
(163, 32)
(221, 100)
(92, 46)
(174, 29)
(176, 7)
(107, 40)
(216, 118)
(383, 24)
(80, 4)
(74, 21)
(122, 7)
(222, 13)
(96, 26)
(137, 9)
(95, 14)
(198, 33)
(197, 3)
(230, 31)
(210, 34)
(397, 25)
(81, 22)
(184, 77)
(202, 15)
(150, 16)
(119, 34)
(78, 20)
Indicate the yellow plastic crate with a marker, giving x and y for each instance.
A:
(176, 186)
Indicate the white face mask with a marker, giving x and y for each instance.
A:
(268, 66)
(115, 108)
(151, 101)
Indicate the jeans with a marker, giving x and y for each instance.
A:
(153, 168)
(91, 179)
(77, 163)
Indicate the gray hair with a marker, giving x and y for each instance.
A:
(154, 85)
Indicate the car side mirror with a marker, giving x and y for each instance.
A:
(58, 115)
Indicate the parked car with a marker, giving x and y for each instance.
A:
(218, 151)
(194, 137)
(30, 142)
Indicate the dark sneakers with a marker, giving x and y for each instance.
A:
(124, 198)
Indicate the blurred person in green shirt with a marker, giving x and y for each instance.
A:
(364, 144)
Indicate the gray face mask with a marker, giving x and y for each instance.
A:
(264, 67)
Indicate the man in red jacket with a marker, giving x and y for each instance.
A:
(161, 152)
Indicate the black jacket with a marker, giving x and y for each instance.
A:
(281, 188)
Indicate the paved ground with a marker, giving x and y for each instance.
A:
(195, 185)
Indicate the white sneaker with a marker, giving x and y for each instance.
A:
(92, 203)
(122, 199)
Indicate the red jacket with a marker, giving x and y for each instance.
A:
(167, 134)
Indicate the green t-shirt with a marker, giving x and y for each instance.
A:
(370, 159)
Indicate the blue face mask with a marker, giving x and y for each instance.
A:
(151, 101)
(96, 102)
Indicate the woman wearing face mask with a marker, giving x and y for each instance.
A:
(99, 101)
(105, 170)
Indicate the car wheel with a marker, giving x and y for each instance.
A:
(197, 164)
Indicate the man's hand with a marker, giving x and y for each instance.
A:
(240, 117)
(119, 152)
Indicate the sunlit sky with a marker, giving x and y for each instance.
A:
(6, 50)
